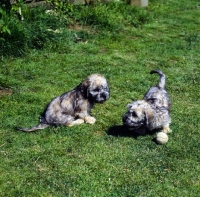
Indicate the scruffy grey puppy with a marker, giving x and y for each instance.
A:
(73, 107)
(152, 112)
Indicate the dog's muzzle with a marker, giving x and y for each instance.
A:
(100, 98)
(99, 94)
(131, 125)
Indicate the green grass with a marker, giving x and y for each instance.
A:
(86, 160)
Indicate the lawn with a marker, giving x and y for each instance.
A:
(102, 159)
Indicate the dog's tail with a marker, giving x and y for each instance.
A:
(161, 83)
(38, 127)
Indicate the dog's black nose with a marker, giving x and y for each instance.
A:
(105, 95)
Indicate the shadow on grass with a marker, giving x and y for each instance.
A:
(122, 131)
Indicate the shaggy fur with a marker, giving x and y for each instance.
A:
(152, 112)
(74, 107)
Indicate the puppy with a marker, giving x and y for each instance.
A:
(73, 107)
(152, 112)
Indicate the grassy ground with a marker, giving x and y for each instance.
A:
(102, 160)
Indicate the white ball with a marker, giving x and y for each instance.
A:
(161, 138)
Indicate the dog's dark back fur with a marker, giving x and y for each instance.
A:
(73, 96)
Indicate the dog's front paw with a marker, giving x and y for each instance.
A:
(167, 130)
(75, 122)
(90, 119)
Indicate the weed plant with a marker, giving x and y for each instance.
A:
(37, 30)
(103, 159)
(40, 28)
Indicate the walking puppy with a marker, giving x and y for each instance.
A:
(73, 107)
(153, 112)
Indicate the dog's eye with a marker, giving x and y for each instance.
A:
(96, 90)
(105, 88)
(129, 106)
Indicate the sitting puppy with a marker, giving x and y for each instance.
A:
(73, 107)
(153, 112)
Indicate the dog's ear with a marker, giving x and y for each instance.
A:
(85, 87)
(149, 116)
